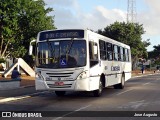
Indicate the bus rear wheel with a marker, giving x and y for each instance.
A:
(120, 85)
(60, 93)
(98, 92)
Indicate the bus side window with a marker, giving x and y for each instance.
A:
(93, 57)
(127, 55)
(106, 51)
(121, 53)
(124, 55)
(102, 47)
(115, 51)
(109, 51)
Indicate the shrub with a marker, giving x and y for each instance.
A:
(2, 60)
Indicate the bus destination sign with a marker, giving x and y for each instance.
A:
(61, 34)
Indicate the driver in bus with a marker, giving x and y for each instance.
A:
(75, 54)
(83, 53)
(82, 56)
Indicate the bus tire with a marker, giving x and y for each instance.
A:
(120, 85)
(98, 92)
(60, 93)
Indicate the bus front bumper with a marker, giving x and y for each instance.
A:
(86, 84)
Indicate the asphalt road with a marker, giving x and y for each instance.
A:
(137, 101)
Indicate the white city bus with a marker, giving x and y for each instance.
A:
(80, 60)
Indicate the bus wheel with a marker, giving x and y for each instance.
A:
(120, 85)
(98, 92)
(60, 93)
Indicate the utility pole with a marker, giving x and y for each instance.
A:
(131, 11)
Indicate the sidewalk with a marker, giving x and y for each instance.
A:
(25, 82)
(26, 88)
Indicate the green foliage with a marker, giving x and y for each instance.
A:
(20, 21)
(34, 19)
(157, 62)
(155, 54)
(2, 60)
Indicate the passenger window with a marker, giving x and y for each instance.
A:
(127, 55)
(102, 46)
(109, 51)
(115, 52)
(121, 53)
(124, 55)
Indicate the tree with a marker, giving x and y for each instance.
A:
(8, 26)
(130, 34)
(20, 21)
(155, 54)
(34, 19)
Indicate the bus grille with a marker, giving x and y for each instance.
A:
(58, 74)
(63, 75)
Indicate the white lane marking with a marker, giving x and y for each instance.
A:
(83, 108)
(124, 91)
(72, 112)
(146, 83)
(12, 99)
(134, 104)
(19, 97)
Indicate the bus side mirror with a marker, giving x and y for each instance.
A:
(31, 47)
(30, 50)
(95, 49)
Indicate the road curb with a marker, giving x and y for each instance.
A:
(144, 75)
(27, 86)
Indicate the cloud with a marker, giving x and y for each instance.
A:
(100, 17)
(112, 15)
(154, 6)
(64, 12)
(151, 17)
(68, 14)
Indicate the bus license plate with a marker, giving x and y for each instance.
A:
(59, 83)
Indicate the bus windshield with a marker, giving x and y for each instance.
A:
(61, 54)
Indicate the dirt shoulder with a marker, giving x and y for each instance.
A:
(146, 72)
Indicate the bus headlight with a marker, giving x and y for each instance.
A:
(82, 75)
(38, 75)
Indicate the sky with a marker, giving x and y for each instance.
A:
(97, 14)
